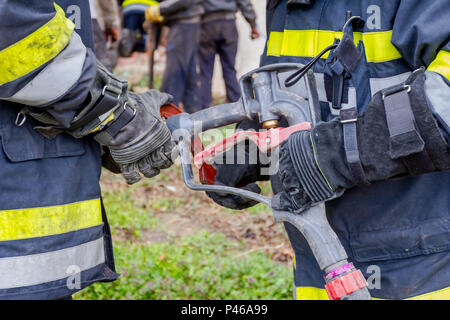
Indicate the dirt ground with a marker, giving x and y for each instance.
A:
(182, 212)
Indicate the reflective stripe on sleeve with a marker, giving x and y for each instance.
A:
(441, 64)
(377, 84)
(56, 78)
(146, 2)
(134, 8)
(51, 266)
(275, 43)
(36, 49)
(45, 221)
(309, 43)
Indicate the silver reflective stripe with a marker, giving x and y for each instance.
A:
(320, 82)
(135, 7)
(300, 87)
(56, 78)
(51, 266)
(294, 292)
(377, 84)
(438, 94)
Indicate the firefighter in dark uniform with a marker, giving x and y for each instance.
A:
(59, 110)
(380, 158)
(134, 36)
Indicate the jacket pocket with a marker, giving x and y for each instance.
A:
(429, 236)
(23, 143)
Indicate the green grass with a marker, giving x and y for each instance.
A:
(157, 79)
(203, 266)
(125, 215)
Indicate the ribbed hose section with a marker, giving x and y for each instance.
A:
(302, 156)
(137, 151)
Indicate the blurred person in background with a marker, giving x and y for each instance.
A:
(180, 77)
(219, 35)
(104, 15)
(134, 36)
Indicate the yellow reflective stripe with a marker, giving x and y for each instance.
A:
(146, 2)
(274, 44)
(36, 49)
(443, 294)
(309, 43)
(441, 64)
(45, 221)
(311, 293)
(379, 47)
(104, 122)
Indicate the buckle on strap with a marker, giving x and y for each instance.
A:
(348, 115)
(107, 101)
(21, 118)
(125, 117)
(389, 91)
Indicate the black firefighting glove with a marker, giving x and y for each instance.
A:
(239, 175)
(144, 145)
(314, 166)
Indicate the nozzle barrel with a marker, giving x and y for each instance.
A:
(210, 118)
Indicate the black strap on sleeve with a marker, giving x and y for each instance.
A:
(348, 118)
(405, 141)
(125, 117)
(107, 101)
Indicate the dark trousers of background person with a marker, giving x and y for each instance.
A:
(134, 21)
(101, 50)
(218, 37)
(180, 77)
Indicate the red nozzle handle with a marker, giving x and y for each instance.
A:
(265, 141)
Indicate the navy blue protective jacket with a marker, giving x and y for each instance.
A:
(54, 236)
(397, 232)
